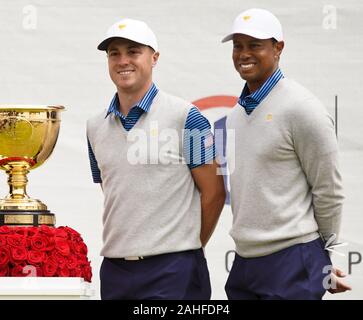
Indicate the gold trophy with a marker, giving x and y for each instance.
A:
(28, 135)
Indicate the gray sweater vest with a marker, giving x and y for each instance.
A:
(151, 203)
(285, 183)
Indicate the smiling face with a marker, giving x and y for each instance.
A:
(255, 59)
(130, 65)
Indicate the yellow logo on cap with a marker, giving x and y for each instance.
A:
(121, 26)
(245, 18)
(269, 117)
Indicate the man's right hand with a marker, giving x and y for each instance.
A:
(338, 285)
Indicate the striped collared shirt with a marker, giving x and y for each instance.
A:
(136, 111)
(250, 101)
(195, 154)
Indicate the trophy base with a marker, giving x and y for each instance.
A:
(26, 204)
(17, 218)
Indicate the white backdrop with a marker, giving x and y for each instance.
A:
(48, 56)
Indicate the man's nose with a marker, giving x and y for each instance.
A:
(123, 59)
(244, 54)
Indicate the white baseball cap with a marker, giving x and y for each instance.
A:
(130, 29)
(257, 23)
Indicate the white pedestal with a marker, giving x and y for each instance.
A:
(44, 288)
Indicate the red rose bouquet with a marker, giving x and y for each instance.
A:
(43, 252)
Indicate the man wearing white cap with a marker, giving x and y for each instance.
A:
(286, 190)
(155, 157)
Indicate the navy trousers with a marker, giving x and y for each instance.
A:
(171, 276)
(295, 273)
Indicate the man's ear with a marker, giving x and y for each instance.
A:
(155, 58)
(279, 46)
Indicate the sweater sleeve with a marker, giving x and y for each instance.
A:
(317, 149)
